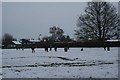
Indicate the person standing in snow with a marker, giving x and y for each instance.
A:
(46, 49)
(65, 49)
(55, 48)
(33, 49)
(50, 47)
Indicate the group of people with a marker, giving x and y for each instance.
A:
(46, 49)
(19, 48)
(106, 48)
(55, 48)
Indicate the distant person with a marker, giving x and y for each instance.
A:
(16, 48)
(50, 47)
(22, 48)
(104, 46)
(81, 49)
(66, 49)
(108, 48)
(46, 49)
(55, 48)
(33, 49)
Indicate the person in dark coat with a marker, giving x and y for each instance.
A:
(65, 49)
(104, 45)
(55, 48)
(81, 49)
(50, 47)
(46, 49)
(33, 49)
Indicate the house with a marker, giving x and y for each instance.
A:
(16, 44)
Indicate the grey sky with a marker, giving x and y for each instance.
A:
(29, 19)
(0, 21)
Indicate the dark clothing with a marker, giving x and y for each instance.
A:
(108, 48)
(55, 48)
(50, 47)
(81, 49)
(46, 49)
(33, 50)
(65, 49)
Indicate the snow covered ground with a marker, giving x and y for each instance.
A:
(91, 62)
(0, 64)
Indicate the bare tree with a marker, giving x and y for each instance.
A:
(100, 22)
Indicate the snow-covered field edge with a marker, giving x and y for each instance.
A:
(0, 64)
(57, 63)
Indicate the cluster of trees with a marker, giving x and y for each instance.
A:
(57, 35)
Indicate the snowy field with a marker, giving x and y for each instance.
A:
(0, 64)
(89, 63)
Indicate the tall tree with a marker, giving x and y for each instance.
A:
(100, 22)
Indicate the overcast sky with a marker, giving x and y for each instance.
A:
(29, 19)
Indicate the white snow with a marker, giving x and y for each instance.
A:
(116, 40)
(0, 64)
(16, 42)
(91, 62)
(34, 40)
